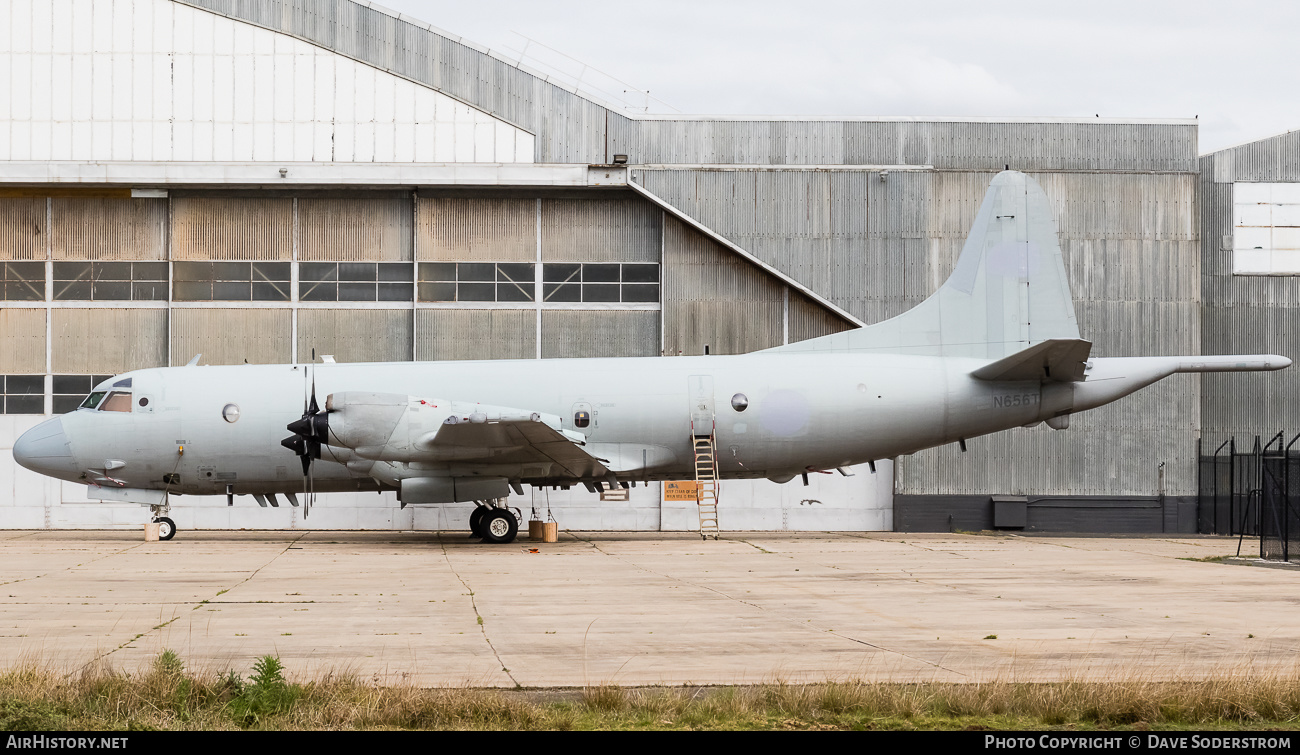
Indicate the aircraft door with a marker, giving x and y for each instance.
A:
(155, 427)
(699, 389)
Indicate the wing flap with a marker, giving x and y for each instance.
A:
(512, 440)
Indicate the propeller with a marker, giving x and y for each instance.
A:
(310, 432)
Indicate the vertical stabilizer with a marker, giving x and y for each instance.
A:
(1007, 293)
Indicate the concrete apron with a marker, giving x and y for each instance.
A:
(636, 608)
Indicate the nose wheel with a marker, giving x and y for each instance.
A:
(166, 528)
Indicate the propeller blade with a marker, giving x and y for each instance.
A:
(311, 495)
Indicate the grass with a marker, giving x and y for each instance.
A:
(167, 695)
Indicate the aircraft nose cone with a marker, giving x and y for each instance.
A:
(45, 449)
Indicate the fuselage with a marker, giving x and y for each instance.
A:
(773, 415)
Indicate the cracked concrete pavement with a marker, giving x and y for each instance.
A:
(439, 609)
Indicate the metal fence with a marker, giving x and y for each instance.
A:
(1254, 493)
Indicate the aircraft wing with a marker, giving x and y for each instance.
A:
(514, 439)
(1058, 359)
(397, 428)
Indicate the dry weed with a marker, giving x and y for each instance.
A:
(167, 695)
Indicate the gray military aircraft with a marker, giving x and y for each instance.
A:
(996, 347)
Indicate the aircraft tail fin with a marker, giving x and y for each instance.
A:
(1008, 291)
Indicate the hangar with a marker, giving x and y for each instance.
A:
(264, 182)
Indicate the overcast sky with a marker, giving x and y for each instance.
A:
(1233, 64)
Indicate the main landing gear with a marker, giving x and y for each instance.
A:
(493, 522)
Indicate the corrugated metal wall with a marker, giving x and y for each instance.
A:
(475, 334)
(1246, 314)
(355, 335)
(22, 228)
(108, 340)
(230, 336)
(808, 319)
(713, 297)
(356, 228)
(232, 228)
(22, 340)
(974, 145)
(596, 333)
(600, 230)
(876, 247)
(477, 229)
(108, 229)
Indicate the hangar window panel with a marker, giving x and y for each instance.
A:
(231, 281)
(22, 281)
(73, 391)
(23, 394)
(110, 281)
(630, 283)
(477, 281)
(355, 281)
(1266, 229)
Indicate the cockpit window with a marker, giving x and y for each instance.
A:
(93, 400)
(117, 401)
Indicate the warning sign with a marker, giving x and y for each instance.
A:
(681, 490)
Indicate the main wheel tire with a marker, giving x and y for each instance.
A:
(476, 520)
(500, 526)
(166, 528)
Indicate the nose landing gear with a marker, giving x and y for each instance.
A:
(166, 527)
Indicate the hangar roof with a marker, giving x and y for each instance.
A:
(573, 127)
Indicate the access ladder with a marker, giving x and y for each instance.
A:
(706, 484)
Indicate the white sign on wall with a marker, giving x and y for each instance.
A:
(1266, 229)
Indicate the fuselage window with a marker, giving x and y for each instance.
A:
(93, 400)
(581, 419)
(117, 402)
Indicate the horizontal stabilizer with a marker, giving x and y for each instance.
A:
(1059, 359)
